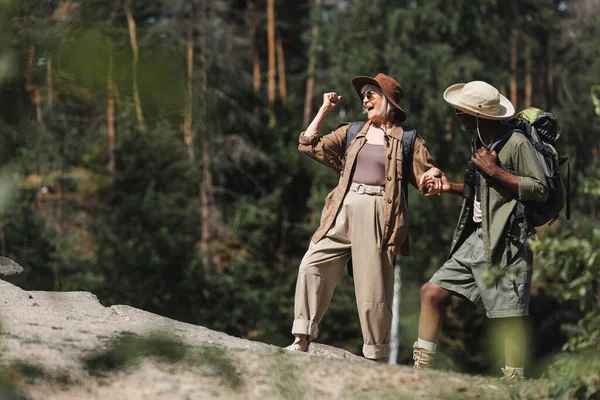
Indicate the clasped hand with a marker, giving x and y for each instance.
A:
(434, 182)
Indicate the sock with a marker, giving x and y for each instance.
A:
(424, 344)
(518, 371)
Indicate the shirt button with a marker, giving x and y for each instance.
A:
(389, 201)
(462, 226)
(389, 156)
(389, 178)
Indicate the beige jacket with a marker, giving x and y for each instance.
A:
(329, 150)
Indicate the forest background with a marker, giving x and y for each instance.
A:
(149, 153)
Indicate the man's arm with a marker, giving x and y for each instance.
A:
(529, 184)
(488, 164)
(435, 182)
(452, 187)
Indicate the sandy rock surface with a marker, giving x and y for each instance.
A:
(11, 271)
(56, 331)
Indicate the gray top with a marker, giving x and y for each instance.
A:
(370, 165)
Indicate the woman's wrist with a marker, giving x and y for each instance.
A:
(325, 109)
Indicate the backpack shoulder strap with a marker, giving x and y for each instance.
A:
(498, 143)
(408, 145)
(352, 131)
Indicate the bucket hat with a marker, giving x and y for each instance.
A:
(479, 99)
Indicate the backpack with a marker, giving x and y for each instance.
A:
(408, 144)
(542, 130)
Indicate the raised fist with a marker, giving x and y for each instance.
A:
(331, 100)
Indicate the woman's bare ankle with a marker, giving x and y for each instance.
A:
(302, 341)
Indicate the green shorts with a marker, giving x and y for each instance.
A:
(461, 274)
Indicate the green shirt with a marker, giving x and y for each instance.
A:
(498, 202)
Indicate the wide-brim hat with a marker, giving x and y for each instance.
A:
(479, 99)
(389, 87)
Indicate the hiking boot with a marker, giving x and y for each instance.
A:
(423, 359)
(511, 375)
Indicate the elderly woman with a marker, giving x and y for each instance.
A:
(364, 216)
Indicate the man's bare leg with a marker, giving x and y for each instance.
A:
(515, 343)
(433, 301)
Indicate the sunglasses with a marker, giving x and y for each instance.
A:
(369, 94)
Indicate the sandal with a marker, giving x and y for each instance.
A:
(296, 346)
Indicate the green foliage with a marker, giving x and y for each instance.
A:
(133, 236)
(27, 240)
(151, 226)
(573, 265)
(595, 95)
(128, 349)
(12, 374)
(495, 273)
(575, 376)
(285, 376)
(215, 361)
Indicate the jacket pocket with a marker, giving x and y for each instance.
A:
(517, 282)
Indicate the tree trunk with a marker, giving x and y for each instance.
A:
(255, 54)
(513, 67)
(271, 59)
(395, 333)
(37, 101)
(308, 97)
(312, 59)
(271, 49)
(50, 82)
(206, 184)
(549, 76)
(281, 72)
(134, 65)
(29, 74)
(187, 113)
(256, 69)
(33, 89)
(229, 43)
(528, 81)
(560, 94)
(110, 112)
(3, 237)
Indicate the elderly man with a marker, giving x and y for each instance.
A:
(489, 211)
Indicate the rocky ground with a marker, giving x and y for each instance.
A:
(49, 338)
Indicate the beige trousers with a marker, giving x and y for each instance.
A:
(358, 231)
